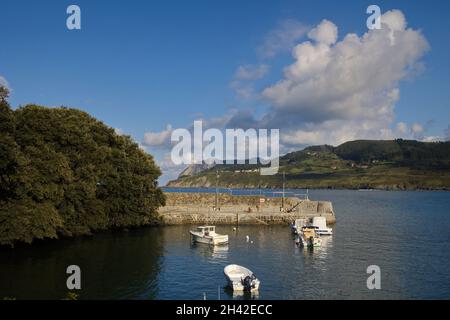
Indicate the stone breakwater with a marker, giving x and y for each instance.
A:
(199, 208)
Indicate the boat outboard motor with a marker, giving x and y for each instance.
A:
(249, 282)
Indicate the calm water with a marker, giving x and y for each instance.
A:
(407, 234)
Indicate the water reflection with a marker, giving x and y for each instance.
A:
(113, 265)
(211, 252)
(325, 247)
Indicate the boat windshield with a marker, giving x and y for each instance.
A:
(205, 229)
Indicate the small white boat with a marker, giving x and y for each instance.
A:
(208, 235)
(310, 237)
(321, 226)
(240, 278)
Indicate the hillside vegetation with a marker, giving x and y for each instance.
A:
(361, 164)
(63, 173)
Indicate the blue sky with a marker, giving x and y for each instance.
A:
(141, 65)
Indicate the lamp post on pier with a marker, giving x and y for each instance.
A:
(284, 187)
(216, 205)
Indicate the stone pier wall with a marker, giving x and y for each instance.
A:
(198, 208)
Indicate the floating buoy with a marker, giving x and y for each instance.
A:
(247, 238)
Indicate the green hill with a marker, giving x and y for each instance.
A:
(64, 173)
(378, 164)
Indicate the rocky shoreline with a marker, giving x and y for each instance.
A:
(395, 187)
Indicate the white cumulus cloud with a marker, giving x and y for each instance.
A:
(155, 139)
(326, 32)
(342, 90)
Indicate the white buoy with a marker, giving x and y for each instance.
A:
(247, 238)
(234, 229)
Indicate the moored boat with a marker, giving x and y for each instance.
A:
(310, 237)
(208, 235)
(240, 278)
(321, 224)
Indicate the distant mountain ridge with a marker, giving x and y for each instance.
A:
(193, 169)
(379, 164)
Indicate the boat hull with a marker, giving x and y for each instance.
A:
(210, 240)
(235, 275)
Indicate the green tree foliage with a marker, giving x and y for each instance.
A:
(62, 172)
(403, 152)
(368, 150)
(4, 93)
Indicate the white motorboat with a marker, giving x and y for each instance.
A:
(240, 278)
(208, 235)
(310, 237)
(321, 226)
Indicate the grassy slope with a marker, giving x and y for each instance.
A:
(384, 166)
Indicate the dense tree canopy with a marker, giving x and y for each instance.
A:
(62, 172)
(403, 152)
